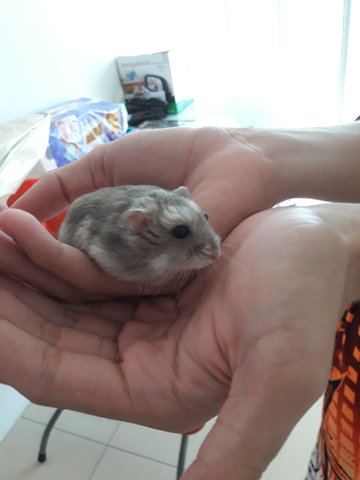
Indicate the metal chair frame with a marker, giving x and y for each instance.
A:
(44, 441)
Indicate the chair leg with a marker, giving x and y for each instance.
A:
(182, 455)
(46, 434)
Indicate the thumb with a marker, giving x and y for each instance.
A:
(219, 458)
(253, 424)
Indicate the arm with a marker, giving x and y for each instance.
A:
(322, 163)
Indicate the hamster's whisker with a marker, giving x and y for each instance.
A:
(184, 277)
(230, 242)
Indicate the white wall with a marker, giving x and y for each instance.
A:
(261, 62)
(55, 51)
(46, 58)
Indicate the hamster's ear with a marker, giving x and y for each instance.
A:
(183, 191)
(135, 219)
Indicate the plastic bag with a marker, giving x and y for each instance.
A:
(77, 127)
(23, 142)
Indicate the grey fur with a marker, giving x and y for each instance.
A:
(127, 231)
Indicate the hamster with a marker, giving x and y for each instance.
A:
(141, 233)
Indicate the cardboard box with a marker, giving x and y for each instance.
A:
(158, 75)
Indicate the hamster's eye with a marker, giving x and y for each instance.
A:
(206, 215)
(181, 231)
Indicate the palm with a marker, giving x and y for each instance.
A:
(241, 339)
(283, 294)
(209, 326)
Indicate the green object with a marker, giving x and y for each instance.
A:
(174, 108)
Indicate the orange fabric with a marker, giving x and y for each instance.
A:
(194, 431)
(337, 453)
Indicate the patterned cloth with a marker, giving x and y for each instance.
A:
(337, 452)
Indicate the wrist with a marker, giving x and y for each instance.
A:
(322, 163)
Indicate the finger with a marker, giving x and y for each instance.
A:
(61, 315)
(69, 339)
(114, 310)
(254, 422)
(54, 257)
(62, 379)
(152, 157)
(138, 389)
(14, 262)
(149, 310)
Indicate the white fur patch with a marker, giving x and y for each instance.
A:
(104, 260)
(180, 214)
(160, 264)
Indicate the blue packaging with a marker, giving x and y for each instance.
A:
(78, 126)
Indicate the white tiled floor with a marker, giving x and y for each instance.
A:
(82, 447)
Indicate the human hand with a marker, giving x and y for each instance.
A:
(250, 339)
(30, 254)
(231, 173)
(212, 162)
